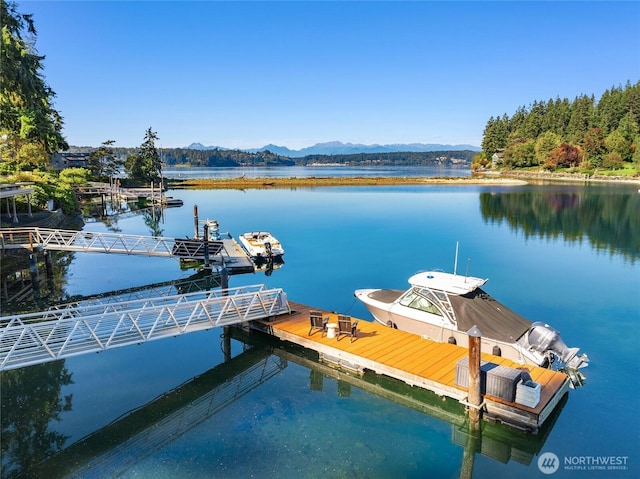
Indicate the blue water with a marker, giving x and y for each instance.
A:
(584, 282)
(308, 171)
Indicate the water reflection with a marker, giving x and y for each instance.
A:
(607, 217)
(31, 403)
(142, 433)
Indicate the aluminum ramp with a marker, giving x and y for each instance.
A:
(95, 242)
(39, 337)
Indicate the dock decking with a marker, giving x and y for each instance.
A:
(416, 361)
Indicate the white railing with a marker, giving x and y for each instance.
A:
(35, 338)
(88, 241)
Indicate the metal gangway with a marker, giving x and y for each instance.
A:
(81, 328)
(97, 242)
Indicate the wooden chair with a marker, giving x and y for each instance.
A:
(317, 322)
(346, 327)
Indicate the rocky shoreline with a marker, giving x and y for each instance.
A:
(531, 176)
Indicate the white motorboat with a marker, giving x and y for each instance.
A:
(261, 244)
(443, 307)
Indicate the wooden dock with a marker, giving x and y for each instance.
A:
(416, 361)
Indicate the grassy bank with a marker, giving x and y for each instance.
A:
(316, 182)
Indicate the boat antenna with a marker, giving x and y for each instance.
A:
(455, 262)
(468, 263)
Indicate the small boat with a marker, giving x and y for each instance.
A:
(443, 307)
(168, 201)
(261, 244)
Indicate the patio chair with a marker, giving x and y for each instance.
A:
(318, 322)
(346, 327)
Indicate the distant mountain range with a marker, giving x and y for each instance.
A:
(339, 148)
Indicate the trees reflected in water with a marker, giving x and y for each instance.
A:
(31, 401)
(608, 219)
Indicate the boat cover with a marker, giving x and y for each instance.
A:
(492, 318)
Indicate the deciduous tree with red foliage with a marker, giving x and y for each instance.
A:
(565, 155)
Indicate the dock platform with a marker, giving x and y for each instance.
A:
(416, 361)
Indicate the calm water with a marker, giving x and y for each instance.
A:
(307, 171)
(568, 255)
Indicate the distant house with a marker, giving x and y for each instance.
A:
(497, 158)
(70, 160)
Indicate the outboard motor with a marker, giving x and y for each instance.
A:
(214, 232)
(267, 247)
(545, 339)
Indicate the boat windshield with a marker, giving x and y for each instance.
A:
(415, 300)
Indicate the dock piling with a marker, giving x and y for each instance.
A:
(206, 245)
(195, 221)
(475, 391)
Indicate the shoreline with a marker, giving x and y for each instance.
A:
(325, 181)
(499, 179)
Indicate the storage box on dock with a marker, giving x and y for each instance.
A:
(496, 381)
(528, 393)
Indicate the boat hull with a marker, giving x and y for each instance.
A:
(436, 328)
(444, 307)
(261, 244)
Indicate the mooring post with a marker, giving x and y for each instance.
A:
(205, 230)
(224, 278)
(475, 391)
(33, 270)
(195, 221)
(48, 264)
(226, 343)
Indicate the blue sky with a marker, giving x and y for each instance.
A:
(245, 74)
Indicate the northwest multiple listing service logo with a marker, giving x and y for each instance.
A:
(548, 463)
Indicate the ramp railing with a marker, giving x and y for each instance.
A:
(62, 332)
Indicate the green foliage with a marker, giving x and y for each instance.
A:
(145, 166)
(30, 127)
(75, 176)
(223, 158)
(234, 158)
(585, 131)
(103, 162)
(480, 161)
(544, 145)
(52, 186)
(520, 154)
(407, 158)
(613, 161)
(617, 143)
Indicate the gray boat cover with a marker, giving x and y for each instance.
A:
(492, 318)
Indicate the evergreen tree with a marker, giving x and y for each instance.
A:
(103, 162)
(581, 118)
(30, 127)
(145, 165)
(589, 134)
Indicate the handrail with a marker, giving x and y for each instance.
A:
(104, 242)
(34, 338)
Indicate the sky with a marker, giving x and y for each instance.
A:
(247, 74)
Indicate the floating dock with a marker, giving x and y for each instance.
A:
(418, 362)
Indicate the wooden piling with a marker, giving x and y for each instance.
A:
(475, 391)
(195, 221)
(206, 245)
